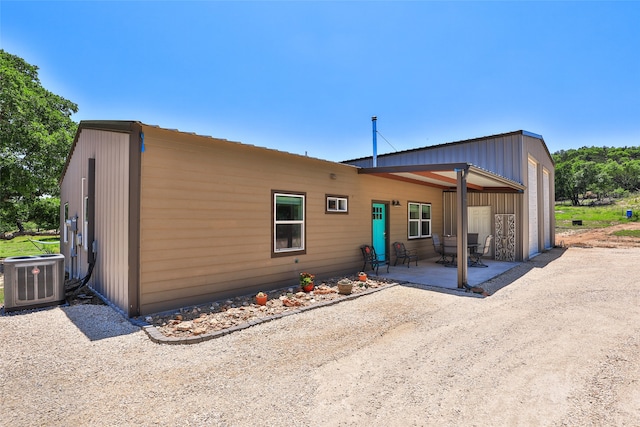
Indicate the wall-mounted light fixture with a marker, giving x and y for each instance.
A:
(395, 203)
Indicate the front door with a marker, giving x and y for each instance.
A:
(479, 221)
(379, 229)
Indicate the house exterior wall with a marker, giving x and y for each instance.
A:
(184, 219)
(506, 155)
(111, 224)
(206, 218)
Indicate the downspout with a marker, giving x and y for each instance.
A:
(375, 141)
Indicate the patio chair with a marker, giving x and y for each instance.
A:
(404, 253)
(437, 246)
(371, 258)
(450, 249)
(476, 256)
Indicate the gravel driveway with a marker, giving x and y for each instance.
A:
(558, 346)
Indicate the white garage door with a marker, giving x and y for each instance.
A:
(546, 203)
(532, 189)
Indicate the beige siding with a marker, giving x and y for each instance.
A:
(206, 218)
(111, 153)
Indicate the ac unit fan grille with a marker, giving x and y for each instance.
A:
(35, 287)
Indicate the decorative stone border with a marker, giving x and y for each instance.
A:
(158, 337)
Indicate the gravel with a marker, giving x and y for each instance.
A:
(558, 346)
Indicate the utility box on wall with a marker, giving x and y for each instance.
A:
(33, 281)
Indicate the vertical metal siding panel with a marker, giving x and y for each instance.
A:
(449, 222)
(499, 155)
(122, 199)
(501, 203)
(110, 151)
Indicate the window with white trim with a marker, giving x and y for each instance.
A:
(65, 223)
(288, 223)
(337, 204)
(85, 229)
(419, 221)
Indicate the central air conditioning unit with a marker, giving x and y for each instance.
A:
(33, 281)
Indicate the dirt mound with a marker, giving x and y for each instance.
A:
(599, 237)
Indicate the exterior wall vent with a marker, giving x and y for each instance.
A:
(33, 281)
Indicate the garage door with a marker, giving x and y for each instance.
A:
(546, 214)
(532, 189)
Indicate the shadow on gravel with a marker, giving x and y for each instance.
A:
(508, 277)
(98, 322)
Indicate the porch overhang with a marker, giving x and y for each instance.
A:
(443, 176)
(460, 177)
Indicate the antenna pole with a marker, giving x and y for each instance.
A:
(375, 141)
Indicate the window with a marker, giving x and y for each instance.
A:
(65, 224)
(288, 223)
(85, 229)
(419, 220)
(337, 204)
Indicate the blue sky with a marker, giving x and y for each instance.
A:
(307, 76)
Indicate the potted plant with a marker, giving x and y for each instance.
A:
(362, 276)
(345, 287)
(261, 298)
(306, 281)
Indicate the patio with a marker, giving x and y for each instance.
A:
(429, 273)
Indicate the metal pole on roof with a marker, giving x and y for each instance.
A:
(375, 141)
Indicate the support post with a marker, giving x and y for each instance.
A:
(462, 226)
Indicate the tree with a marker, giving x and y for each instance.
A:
(46, 213)
(36, 132)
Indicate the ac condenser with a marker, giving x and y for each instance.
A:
(33, 281)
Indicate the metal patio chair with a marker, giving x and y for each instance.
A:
(437, 246)
(450, 249)
(371, 258)
(404, 253)
(475, 257)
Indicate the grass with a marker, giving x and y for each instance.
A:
(21, 245)
(598, 216)
(627, 233)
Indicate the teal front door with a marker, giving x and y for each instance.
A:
(379, 229)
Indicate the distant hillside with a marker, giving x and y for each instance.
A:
(598, 171)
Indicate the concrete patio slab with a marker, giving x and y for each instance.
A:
(429, 273)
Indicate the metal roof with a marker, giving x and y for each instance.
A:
(454, 143)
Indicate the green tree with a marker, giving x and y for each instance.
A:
(606, 171)
(36, 132)
(46, 213)
(585, 175)
(603, 183)
(565, 181)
